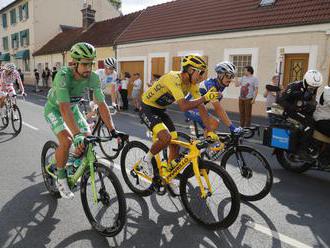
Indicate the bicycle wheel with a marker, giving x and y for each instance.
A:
(110, 149)
(48, 152)
(108, 215)
(132, 152)
(5, 118)
(221, 206)
(250, 171)
(16, 119)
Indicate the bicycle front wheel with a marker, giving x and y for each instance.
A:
(111, 148)
(250, 171)
(220, 208)
(16, 119)
(108, 215)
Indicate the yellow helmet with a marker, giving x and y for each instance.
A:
(194, 61)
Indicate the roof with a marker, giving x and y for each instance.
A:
(99, 34)
(194, 17)
(9, 5)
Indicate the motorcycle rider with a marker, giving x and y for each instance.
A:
(299, 103)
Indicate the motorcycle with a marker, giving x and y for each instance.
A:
(294, 149)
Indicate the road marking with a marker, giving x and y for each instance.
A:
(279, 236)
(30, 126)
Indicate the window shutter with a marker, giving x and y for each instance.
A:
(100, 64)
(176, 63)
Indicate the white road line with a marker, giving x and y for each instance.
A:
(30, 126)
(283, 238)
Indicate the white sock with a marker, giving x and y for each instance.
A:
(148, 157)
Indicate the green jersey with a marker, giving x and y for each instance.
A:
(67, 89)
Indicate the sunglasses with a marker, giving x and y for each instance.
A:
(90, 64)
(229, 76)
(200, 72)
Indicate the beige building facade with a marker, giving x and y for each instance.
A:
(288, 51)
(26, 25)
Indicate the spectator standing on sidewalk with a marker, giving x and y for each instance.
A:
(43, 76)
(47, 76)
(271, 92)
(37, 78)
(22, 78)
(54, 73)
(136, 92)
(155, 78)
(248, 93)
(123, 90)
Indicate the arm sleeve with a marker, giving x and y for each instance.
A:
(61, 88)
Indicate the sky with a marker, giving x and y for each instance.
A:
(128, 6)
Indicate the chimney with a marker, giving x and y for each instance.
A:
(88, 16)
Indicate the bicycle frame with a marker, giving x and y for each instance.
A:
(88, 161)
(190, 158)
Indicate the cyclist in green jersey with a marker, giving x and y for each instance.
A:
(62, 112)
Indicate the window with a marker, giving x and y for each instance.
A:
(14, 41)
(5, 43)
(13, 16)
(4, 20)
(20, 12)
(25, 11)
(241, 61)
(24, 36)
(267, 2)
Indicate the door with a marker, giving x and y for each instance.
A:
(157, 66)
(295, 66)
(132, 67)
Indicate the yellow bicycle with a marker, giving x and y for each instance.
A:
(207, 191)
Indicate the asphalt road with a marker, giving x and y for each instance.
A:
(294, 214)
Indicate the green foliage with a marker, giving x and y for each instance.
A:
(115, 3)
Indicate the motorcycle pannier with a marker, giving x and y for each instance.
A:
(281, 138)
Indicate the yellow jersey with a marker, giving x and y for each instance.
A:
(168, 89)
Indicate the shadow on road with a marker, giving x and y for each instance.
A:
(307, 195)
(27, 219)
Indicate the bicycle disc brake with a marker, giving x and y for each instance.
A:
(158, 185)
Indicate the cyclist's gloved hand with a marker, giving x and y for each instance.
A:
(213, 136)
(234, 129)
(114, 133)
(211, 95)
(78, 140)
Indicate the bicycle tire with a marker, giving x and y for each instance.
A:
(230, 185)
(120, 219)
(49, 181)
(5, 119)
(16, 110)
(257, 157)
(104, 150)
(129, 146)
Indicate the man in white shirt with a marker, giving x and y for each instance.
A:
(136, 92)
(108, 77)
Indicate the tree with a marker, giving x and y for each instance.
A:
(115, 3)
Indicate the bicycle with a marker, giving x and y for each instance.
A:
(112, 148)
(245, 158)
(13, 112)
(86, 173)
(190, 163)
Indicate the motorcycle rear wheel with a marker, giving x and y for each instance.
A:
(284, 160)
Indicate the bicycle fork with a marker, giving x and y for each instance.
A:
(198, 173)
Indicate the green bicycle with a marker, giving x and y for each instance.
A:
(101, 193)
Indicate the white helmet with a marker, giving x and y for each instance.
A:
(110, 62)
(225, 67)
(313, 78)
(9, 67)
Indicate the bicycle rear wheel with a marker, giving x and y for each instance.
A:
(48, 152)
(220, 208)
(16, 119)
(111, 148)
(132, 152)
(250, 171)
(108, 215)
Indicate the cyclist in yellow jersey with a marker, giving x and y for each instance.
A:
(173, 87)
